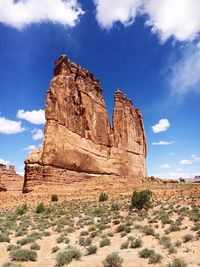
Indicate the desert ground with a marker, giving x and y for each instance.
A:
(76, 229)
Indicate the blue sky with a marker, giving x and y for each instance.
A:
(150, 50)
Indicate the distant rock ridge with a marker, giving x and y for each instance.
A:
(79, 141)
(9, 179)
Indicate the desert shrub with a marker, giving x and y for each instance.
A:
(136, 243)
(92, 228)
(65, 257)
(148, 230)
(55, 249)
(172, 228)
(63, 238)
(12, 247)
(22, 209)
(103, 197)
(83, 233)
(113, 260)
(4, 237)
(23, 255)
(187, 238)
(85, 241)
(177, 263)
(120, 228)
(40, 208)
(177, 244)
(155, 258)
(92, 249)
(146, 253)
(124, 245)
(25, 240)
(141, 199)
(54, 198)
(104, 242)
(35, 246)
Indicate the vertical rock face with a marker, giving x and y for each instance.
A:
(9, 179)
(79, 141)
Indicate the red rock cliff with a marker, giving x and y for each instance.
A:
(79, 141)
(9, 179)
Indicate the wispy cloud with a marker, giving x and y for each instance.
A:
(37, 134)
(185, 162)
(10, 127)
(19, 14)
(165, 166)
(35, 116)
(162, 143)
(185, 76)
(161, 126)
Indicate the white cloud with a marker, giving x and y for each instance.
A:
(174, 18)
(10, 127)
(167, 18)
(185, 72)
(175, 175)
(165, 166)
(4, 162)
(185, 162)
(21, 13)
(30, 148)
(195, 158)
(162, 143)
(109, 12)
(35, 116)
(37, 134)
(162, 126)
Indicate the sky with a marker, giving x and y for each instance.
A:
(149, 49)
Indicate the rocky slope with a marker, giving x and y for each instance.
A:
(79, 141)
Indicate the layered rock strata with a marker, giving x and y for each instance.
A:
(9, 179)
(79, 141)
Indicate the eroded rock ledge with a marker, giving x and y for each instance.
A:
(79, 140)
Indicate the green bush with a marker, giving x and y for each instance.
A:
(40, 208)
(148, 230)
(35, 246)
(177, 263)
(141, 199)
(55, 249)
(136, 243)
(113, 260)
(22, 209)
(155, 258)
(187, 238)
(54, 198)
(65, 257)
(4, 238)
(92, 249)
(103, 197)
(23, 255)
(124, 245)
(104, 242)
(146, 253)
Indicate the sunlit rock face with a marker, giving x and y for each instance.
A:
(79, 141)
(9, 179)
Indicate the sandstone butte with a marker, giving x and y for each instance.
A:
(79, 141)
(9, 179)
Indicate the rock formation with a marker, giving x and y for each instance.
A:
(79, 141)
(9, 179)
